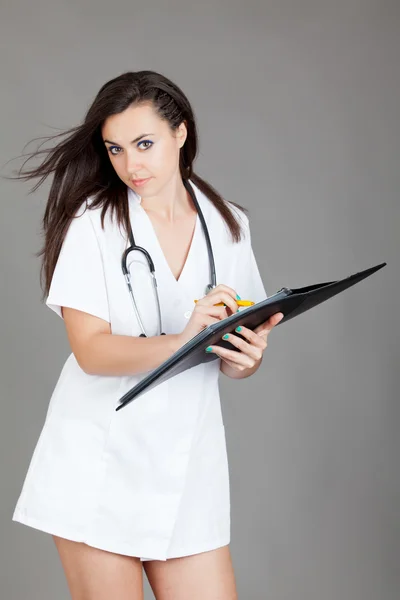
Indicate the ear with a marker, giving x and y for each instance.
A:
(181, 134)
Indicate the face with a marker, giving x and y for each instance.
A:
(140, 145)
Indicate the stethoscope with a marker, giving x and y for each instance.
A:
(133, 246)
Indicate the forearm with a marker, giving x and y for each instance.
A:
(108, 354)
(235, 373)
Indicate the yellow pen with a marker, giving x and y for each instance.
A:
(238, 302)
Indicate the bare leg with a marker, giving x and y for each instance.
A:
(206, 575)
(94, 574)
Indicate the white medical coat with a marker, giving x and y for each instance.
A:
(151, 480)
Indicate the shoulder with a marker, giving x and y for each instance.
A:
(88, 218)
(84, 232)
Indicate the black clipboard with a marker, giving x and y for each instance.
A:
(291, 302)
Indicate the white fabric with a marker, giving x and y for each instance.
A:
(150, 480)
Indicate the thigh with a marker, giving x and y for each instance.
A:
(94, 574)
(206, 575)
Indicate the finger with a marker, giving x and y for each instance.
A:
(216, 311)
(268, 325)
(250, 335)
(225, 288)
(221, 296)
(238, 358)
(233, 365)
(276, 318)
(255, 350)
(202, 323)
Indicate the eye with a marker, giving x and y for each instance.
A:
(111, 148)
(146, 142)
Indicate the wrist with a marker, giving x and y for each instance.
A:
(175, 342)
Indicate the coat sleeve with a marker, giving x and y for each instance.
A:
(249, 285)
(79, 280)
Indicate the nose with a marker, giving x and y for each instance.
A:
(134, 163)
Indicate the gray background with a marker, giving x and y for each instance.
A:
(297, 104)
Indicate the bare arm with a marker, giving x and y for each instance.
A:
(98, 352)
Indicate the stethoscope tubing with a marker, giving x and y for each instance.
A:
(133, 247)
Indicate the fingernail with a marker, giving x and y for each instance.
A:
(238, 297)
(238, 328)
(226, 336)
(209, 349)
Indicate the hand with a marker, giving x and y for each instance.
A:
(252, 350)
(205, 313)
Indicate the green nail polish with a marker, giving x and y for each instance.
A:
(226, 336)
(238, 328)
(208, 349)
(238, 297)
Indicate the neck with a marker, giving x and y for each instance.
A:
(172, 203)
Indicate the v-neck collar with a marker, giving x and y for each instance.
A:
(136, 200)
(161, 252)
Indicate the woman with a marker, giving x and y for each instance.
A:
(146, 486)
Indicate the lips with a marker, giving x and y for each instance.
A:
(140, 181)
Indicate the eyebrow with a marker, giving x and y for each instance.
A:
(133, 141)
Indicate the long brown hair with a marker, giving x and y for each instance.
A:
(82, 168)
